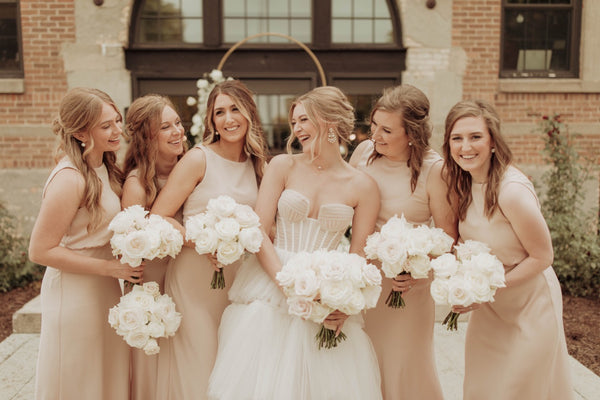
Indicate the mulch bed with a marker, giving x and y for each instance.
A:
(581, 318)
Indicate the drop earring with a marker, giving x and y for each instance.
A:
(331, 136)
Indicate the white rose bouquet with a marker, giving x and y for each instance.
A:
(316, 284)
(472, 276)
(226, 229)
(144, 315)
(138, 236)
(403, 248)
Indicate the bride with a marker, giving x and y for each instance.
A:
(312, 198)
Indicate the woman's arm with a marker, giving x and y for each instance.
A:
(271, 187)
(365, 212)
(520, 207)
(62, 199)
(133, 193)
(444, 216)
(184, 177)
(358, 153)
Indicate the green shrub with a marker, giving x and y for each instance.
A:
(15, 268)
(574, 237)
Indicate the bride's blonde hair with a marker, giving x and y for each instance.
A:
(79, 111)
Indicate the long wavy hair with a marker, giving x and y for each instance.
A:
(329, 106)
(255, 146)
(412, 105)
(460, 181)
(144, 118)
(79, 111)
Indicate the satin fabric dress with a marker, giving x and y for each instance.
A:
(81, 356)
(403, 337)
(185, 360)
(515, 346)
(267, 354)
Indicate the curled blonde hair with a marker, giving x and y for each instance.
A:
(327, 105)
(413, 107)
(255, 146)
(460, 181)
(79, 111)
(144, 117)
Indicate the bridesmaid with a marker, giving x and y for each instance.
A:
(81, 356)
(229, 162)
(409, 175)
(157, 143)
(515, 346)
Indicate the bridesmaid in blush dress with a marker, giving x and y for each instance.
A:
(157, 143)
(409, 175)
(515, 346)
(81, 356)
(229, 162)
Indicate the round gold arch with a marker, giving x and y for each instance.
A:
(291, 39)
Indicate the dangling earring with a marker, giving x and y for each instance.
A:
(331, 136)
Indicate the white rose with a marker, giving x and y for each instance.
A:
(285, 277)
(394, 227)
(229, 252)
(138, 244)
(439, 290)
(201, 83)
(331, 270)
(216, 75)
(336, 294)
(171, 322)
(487, 263)
(354, 268)
(151, 288)
(444, 266)
(480, 286)
(469, 248)
(113, 316)
(497, 279)
(245, 216)
(419, 266)
(222, 206)
(206, 241)
(319, 312)
(355, 303)
(392, 252)
(306, 284)
(137, 339)
(392, 270)
(372, 245)
(155, 329)
(227, 229)
(151, 347)
(117, 242)
(251, 239)
(371, 275)
(442, 242)
(195, 129)
(163, 306)
(371, 295)
(132, 319)
(419, 240)
(191, 101)
(459, 292)
(300, 306)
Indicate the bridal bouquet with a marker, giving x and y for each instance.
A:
(138, 236)
(318, 283)
(470, 276)
(403, 248)
(144, 315)
(226, 229)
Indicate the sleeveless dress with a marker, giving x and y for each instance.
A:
(403, 338)
(144, 368)
(515, 346)
(267, 354)
(186, 359)
(81, 356)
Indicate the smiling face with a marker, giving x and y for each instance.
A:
(471, 147)
(304, 130)
(389, 135)
(228, 120)
(170, 134)
(105, 135)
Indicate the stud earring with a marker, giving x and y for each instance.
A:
(410, 143)
(493, 150)
(82, 144)
(331, 138)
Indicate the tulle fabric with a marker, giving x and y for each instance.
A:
(267, 354)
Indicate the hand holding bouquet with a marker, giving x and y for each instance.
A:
(472, 276)
(316, 284)
(144, 315)
(403, 248)
(137, 237)
(227, 229)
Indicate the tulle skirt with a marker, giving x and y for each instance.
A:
(265, 353)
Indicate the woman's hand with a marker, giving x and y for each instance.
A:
(335, 321)
(465, 309)
(116, 269)
(214, 261)
(403, 283)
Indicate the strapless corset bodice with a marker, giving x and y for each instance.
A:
(296, 231)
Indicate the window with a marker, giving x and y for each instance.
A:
(361, 21)
(171, 21)
(11, 63)
(540, 38)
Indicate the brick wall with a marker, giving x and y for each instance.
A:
(476, 28)
(45, 26)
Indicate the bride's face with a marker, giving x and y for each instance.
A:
(307, 133)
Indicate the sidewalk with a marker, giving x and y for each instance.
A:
(18, 355)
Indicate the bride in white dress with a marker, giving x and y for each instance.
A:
(265, 353)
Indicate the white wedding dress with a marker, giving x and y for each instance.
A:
(265, 353)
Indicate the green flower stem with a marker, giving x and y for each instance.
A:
(395, 300)
(326, 338)
(218, 280)
(451, 321)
